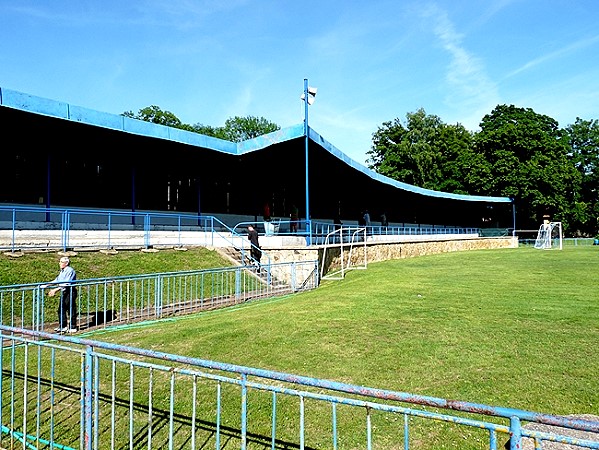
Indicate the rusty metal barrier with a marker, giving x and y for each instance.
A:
(65, 392)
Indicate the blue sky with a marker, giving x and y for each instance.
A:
(372, 61)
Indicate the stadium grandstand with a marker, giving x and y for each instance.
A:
(62, 155)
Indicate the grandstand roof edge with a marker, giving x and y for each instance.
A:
(61, 110)
(266, 140)
(317, 138)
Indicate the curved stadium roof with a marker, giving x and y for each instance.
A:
(288, 138)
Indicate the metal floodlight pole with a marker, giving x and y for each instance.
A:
(306, 96)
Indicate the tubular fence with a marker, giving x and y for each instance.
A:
(35, 228)
(118, 300)
(62, 392)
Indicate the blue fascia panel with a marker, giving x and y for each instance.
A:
(144, 128)
(34, 104)
(201, 140)
(266, 140)
(101, 119)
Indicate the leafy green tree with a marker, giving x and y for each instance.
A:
(527, 157)
(583, 138)
(236, 129)
(156, 115)
(425, 152)
(239, 129)
(208, 130)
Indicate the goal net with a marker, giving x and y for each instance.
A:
(549, 236)
(344, 250)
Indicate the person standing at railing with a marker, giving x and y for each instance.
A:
(266, 212)
(294, 219)
(367, 222)
(255, 250)
(384, 221)
(67, 306)
(338, 231)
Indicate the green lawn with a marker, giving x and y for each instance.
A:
(36, 267)
(514, 328)
(501, 327)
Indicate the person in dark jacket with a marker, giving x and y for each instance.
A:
(255, 250)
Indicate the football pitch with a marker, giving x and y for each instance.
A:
(514, 328)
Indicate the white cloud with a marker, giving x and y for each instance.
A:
(556, 54)
(470, 93)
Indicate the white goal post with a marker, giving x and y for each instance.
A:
(549, 236)
(351, 252)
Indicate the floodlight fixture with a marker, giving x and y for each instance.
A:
(311, 96)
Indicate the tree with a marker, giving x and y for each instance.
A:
(236, 129)
(426, 152)
(583, 137)
(208, 130)
(239, 129)
(156, 115)
(527, 158)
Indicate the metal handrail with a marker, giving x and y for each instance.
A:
(108, 372)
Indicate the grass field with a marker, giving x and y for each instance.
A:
(37, 267)
(514, 328)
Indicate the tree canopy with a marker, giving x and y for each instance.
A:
(155, 115)
(583, 140)
(425, 152)
(235, 129)
(527, 158)
(517, 153)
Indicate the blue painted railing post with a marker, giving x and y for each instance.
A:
(515, 433)
(147, 231)
(244, 410)
(406, 432)
(492, 440)
(158, 296)
(273, 426)
(65, 228)
(88, 398)
(38, 323)
(238, 276)
(14, 224)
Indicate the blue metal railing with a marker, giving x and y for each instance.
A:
(126, 299)
(114, 229)
(65, 228)
(69, 393)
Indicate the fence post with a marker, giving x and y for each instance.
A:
(88, 398)
(38, 323)
(244, 392)
(238, 276)
(147, 230)
(515, 433)
(66, 223)
(158, 295)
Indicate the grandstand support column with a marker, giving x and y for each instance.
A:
(513, 215)
(308, 98)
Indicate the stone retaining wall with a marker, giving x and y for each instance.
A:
(377, 251)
